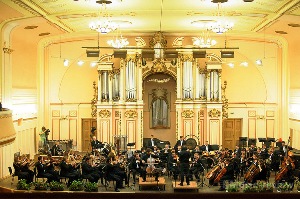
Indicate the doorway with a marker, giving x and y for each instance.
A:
(87, 125)
(232, 131)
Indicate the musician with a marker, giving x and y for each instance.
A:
(56, 150)
(258, 163)
(288, 174)
(173, 165)
(252, 149)
(206, 147)
(69, 170)
(242, 162)
(43, 172)
(138, 165)
(152, 142)
(196, 167)
(89, 170)
(96, 145)
(22, 169)
(237, 151)
(283, 149)
(272, 161)
(119, 169)
(181, 142)
(111, 174)
(229, 174)
(184, 158)
(152, 162)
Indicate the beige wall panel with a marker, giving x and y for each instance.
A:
(105, 134)
(201, 132)
(131, 130)
(252, 128)
(117, 128)
(64, 133)
(55, 134)
(73, 131)
(187, 128)
(270, 124)
(214, 132)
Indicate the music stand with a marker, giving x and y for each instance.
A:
(262, 140)
(251, 141)
(243, 140)
(269, 140)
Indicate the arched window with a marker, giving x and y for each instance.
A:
(159, 109)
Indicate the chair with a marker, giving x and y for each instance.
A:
(12, 175)
(108, 179)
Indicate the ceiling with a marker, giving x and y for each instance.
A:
(138, 17)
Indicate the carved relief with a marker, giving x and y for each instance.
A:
(214, 113)
(104, 113)
(131, 114)
(201, 112)
(117, 113)
(187, 114)
(186, 57)
(225, 101)
(94, 100)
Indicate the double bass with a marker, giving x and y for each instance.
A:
(252, 171)
(284, 167)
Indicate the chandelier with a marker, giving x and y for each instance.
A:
(220, 26)
(103, 26)
(204, 41)
(118, 42)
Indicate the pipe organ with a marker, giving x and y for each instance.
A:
(198, 104)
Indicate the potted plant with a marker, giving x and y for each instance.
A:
(22, 185)
(76, 186)
(233, 187)
(91, 187)
(40, 185)
(297, 184)
(56, 186)
(284, 187)
(250, 188)
(265, 187)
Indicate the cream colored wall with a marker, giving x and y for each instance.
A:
(24, 143)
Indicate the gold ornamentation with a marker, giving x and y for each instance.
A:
(225, 101)
(201, 112)
(104, 113)
(94, 100)
(214, 113)
(160, 81)
(131, 114)
(159, 66)
(117, 113)
(186, 57)
(131, 100)
(187, 114)
(158, 38)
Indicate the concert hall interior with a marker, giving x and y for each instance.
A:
(149, 93)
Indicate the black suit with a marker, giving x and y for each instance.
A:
(56, 150)
(206, 148)
(96, 145)
(184, 158)
(180, 143)
(151, 143)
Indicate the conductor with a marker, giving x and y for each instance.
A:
(184, 158)
(96, 145)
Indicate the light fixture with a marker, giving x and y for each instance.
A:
(66, 62)
(258, 62)
(204, 41)
(93, 64)
(118, 42)
(220, 26)
(245, 64)
(231, 65)
(80, 63)
(103, 26)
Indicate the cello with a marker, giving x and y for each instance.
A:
(252, 171)
(220, 175)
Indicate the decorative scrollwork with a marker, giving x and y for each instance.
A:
(214, 113)
(94, 100)
(187, 114)
(131, 114)
(186, 57)
(225, 101)
(158, 38)
(104, 114)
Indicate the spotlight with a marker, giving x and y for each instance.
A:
(92, 52)
(66, 62)
(231, 65)
(120, 53)
(148, 54)
(199, 54)
(227, 54)
(171, 54)
(245, 64)
(93, 64)
(80, 63)
(258, 62)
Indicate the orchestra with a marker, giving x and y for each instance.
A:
(247, 164)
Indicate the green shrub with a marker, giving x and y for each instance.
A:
(233, 187)
(40, 185)
(76, 186)
(282, 187)
(22, 185)
(56, 186)
(91, 187)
